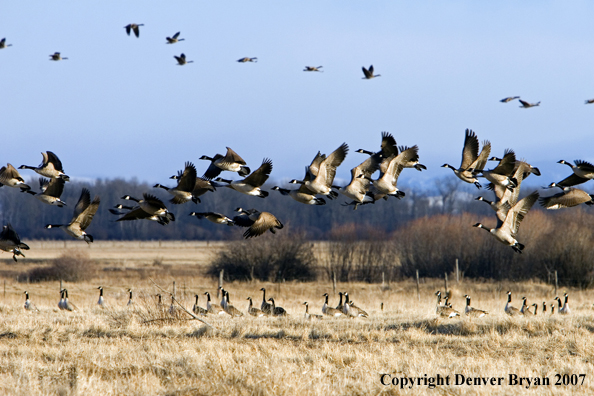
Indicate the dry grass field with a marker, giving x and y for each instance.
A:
(140, 350)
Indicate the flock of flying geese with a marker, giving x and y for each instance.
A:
(268, 307)
(317, 183)
(447, 311)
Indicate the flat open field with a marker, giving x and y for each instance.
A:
(142, 350)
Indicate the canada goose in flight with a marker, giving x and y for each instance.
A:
(201, 187)
(11, 177)
(130, 300)
(136, 213)
(266, 307)
(358, 188)
(198, 310)
(509, 99)
(51, 190)
(231, 162)
(252, 183)
(3, 43)
(329, 311)
(277, 311)
(56, 56)
(389, 148)
(351, 309)
(50, 167)
(246, 59)
(313, 68)
(174, 39)
(302, 195)
(582, 172)
(509, 308)
(500, 175)
(526, 105)
(322, 171)
(181, 60)
(83, 215)
(213, 308)
(258, 222)
(133, 27)
(589, 101)
(214, 217)
(68, 306)
(524, 308)
(506, 198)
(445, 310)
(101, 301)
(11, 242)
(472, 161)
(369, 73)
(61, 302)
(506, 231)
(29, 306)
(567, 198)
(474, 312)
(565, 309)
(151, 205)
(308, 316)
(390, 169)
(253, 310)
(230, 309)
(530, 169)
(183, 192)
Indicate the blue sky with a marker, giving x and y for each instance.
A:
(121, 107)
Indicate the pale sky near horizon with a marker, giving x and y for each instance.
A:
(121, 107)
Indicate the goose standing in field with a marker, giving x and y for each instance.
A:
(506, 231)
(159, 302)
(527, 105)
(445, 310)
(151, 205)
(329, 311)
(10, 242)
(474, 312)
(51, 191)
(509, 99)
(564, 310)
(201, 187)
(544, 307)
(181, 60)
(50, 167)
(133, 27)
(560, 305)
(500, 175)
(252, 183)
(266, 307)
(183, 192)
(174, 39)
(223, 302)
(214, 217)
(582, 172)
(277, 311)
(246, 59)
(552, 308)
(68, 306)
(197, 309)
(230, 309)
(29, 306)
(308, 316)
(258, 222)
(567, 198)
(3, 43)
(213, 308)
(231, 162)
(472, 161)
(524, 308)
(61, 302)
(351, 309)
(253, 310)
(301, 195)
(101, 301)
(340, 305)
(130, 300)
(358, 188)
(535, 305)
(313, 68)
(509, 308)
(11, 177)
(83, 215)
(322, 171)
(368, 73)
(56, 56)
